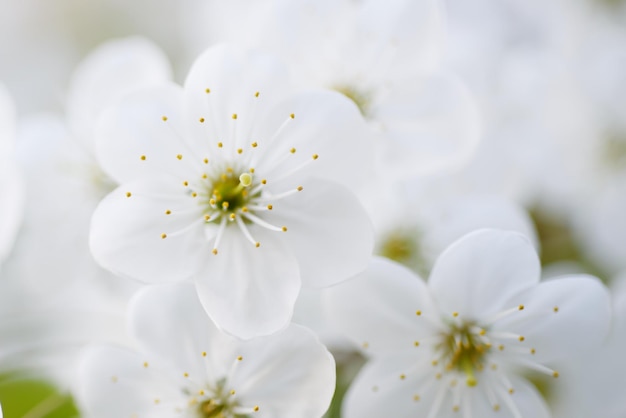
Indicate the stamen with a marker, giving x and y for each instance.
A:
(498, 316)
(220, 233)
(297, 168)
(262, 223)
(281, 195)
(246, 232)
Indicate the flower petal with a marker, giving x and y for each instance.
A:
(127, 230)
(429, 125)
(328, 231)
(144, 135)
(563, 318)
(115, 383)
(288, 375)
(169, 322)
(110, 71)
(377, 308)
(249, 291)
(478, 274)
(224, 81)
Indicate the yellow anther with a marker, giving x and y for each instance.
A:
(257, 244)
(270, 207)
(402, 376)
(239, 358)
(293, 150)
(244, 209)
(234, 116)
(555, 374)
(204, 354)
(186, 374)
(521, 338)
(416, 343)
(220, 145)
(114, 379)
(501, 347)
(194, 194)
(284, 228)
(300, 188)
(201, 392)
(163, 236)
(533, 351)
(225, 205)
(256, 94)
(143, 158)
(496, 407)
(239, 150)
(201, 120)
(418, 312)
(214, 251)
(206, 161)
(455, 314)
(207, 90)
(482, 332)
(164, 118)
(205, 176)
(207, 217)
(471, 381)
(245, 179)
(254, 145)
(555, 309)
(251, 170)
(156, 401)
(231, 216)
(256, 408)
(292, 116)
(128, 194)
(185, 183)
(264, 181)
(145, 364)
(511, 391)
(416, 398)
(434, 362)
(521, 307)
(315, 156)
(232, 391)
(455, 408)
(168, 212)
(212, 202)
(179, 156)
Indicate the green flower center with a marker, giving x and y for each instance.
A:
(230, 192)
(464, 350)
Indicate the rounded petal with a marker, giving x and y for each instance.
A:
(169, 322)
(378, 309)
(110, 71)
(526, 401)
(325, 124)
(288, 375)
(563, 318)
(428, 126)
(132, 236)
(225, 81)
(249, 291)
(378, 391)
(478, 274)
(144, 135)
(11, 204)
(115, 383)
(328, 231)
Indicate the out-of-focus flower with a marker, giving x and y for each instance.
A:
(11, 187)
(188, 368)
(461, 343)
(236, 185)
(384, 55)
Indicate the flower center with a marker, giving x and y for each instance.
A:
(463, 349)
(231, 192)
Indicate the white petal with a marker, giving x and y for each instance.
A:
(111, 70)
(169, 322)
(378, 308)
(126, 232)
(11, 204)
(249, 291)
(378, 391)
(328, 231)
(429, 125)
(115, 383)
(233, 76)
(478, 274)
(133, 140)
(525, 399)
(325, 123)
(288, 375)
(563, 318)
(413, 30)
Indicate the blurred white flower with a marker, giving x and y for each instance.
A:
(384, 55)
(188, 368)
(236, 185)
(462, 343)
(11, 187)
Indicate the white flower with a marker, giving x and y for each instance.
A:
(11, 187)
(236, 185)
(460, 345)
(188, 368)
(384, 55)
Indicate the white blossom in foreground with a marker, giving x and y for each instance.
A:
(11, 193)
(188, 368)
(234, 183)
(461, 344)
